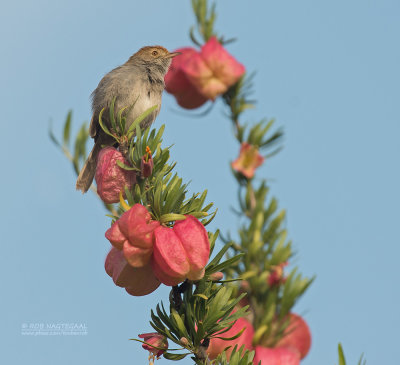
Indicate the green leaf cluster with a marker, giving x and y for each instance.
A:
(262, 236)
(118, 122)
(205, 19)
(238, 357)
(237, 98)
(204, 312)
(263, 239)
(164, 192)
(77, 153)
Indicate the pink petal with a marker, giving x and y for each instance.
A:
(177, 83)
(169, 260)
(217, 345)
(137, 282)
(298, 335)
(136, 225)
(195, 242)
(175, 79)
(202, 77)
(115, 236)
(223, 65)
(249, 159)
(136, 256)
(275, 356)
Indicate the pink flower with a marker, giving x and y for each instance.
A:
(297, 336)
(110, 178)
(156, 343)
(195, 77)
(275, 356)
(133, 233)
(180, 252)
(249, 159)
(136, 281)
(177, 83)
(213, 70)
(218, 345)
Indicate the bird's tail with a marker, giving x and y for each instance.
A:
(88, 171)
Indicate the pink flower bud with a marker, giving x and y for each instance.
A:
(276, 276)
(213, 70)
(218, 345)
(156, 343)
(217, 276)
(177, 83)
(136, 281)
(275, 356)
(110, 178)
(297, 336)
(133, 233)
(249, 159)
(180, 252)
(147, 164)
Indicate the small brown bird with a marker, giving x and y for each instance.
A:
(139, 81)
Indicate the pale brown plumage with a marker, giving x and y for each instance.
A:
(139, 81)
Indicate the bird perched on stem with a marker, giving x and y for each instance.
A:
(136, 85)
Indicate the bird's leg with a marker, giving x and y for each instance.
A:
(124, 147)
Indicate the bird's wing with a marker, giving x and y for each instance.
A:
(93, 126)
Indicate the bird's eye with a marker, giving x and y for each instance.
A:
(154, 53)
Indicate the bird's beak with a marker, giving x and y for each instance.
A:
(173, 54)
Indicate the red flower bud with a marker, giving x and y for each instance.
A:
(218, 345)
(177, 83)
(154, 340)
(110, 178)
(297, 336)
(180, 252)
(147, 164)
(136, 281)
(133, 233)
(275, 356)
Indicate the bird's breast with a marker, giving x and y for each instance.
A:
(142, 98)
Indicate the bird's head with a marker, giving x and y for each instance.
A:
(154, 56)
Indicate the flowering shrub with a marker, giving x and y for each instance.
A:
(158, 232)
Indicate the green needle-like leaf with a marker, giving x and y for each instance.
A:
(67, 128)
(139, 119)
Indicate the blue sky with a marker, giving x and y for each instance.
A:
(328, 71)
